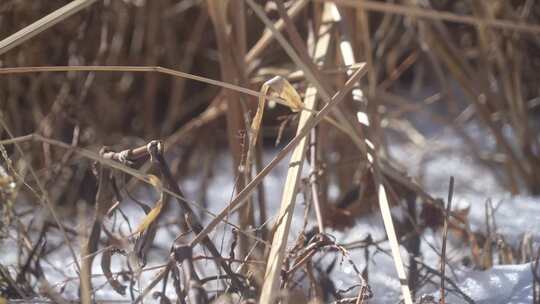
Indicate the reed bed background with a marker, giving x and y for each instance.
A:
(108, 106)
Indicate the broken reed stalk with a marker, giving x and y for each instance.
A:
(373, 159)
(284, 218)
(43, 24)
(445, 237)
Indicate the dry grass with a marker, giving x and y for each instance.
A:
(102, 99)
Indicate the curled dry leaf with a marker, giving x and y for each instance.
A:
(284, 90)
(156, 211)
(106, 268)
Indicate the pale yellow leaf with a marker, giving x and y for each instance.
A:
(155, 181)
(286, 91)
(156, 211)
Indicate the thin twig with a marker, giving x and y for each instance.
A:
(445, 236)
(44, 197)
(135, 69)
(43, 24)
(399, 9)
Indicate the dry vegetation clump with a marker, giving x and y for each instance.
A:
(107, 106)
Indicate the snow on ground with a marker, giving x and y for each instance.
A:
(509, 284)
(514, 216)
(475, 187)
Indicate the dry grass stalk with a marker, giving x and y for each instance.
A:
(488, 54)
(232, 68)
(372, 158)
(319, 49)
(43, 24)
(267, 37)
(418, 12)
(445, 236)
(134, 69)
(284, 217)
(86, 268)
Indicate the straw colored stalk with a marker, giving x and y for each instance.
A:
(348, 59)
(43, 24)
(283, 222)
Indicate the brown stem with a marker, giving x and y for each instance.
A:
(445, 236)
